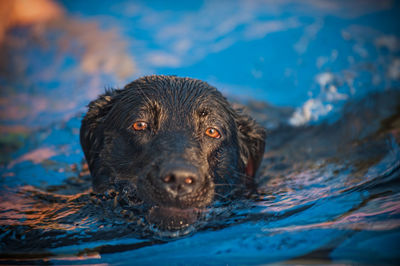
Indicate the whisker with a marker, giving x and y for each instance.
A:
(222, 185)
(222, 196)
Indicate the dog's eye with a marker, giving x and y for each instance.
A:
(140, 125)
(213, 133)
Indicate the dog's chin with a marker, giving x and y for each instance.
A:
(173, 219)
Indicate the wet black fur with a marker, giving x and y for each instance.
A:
(178, 111)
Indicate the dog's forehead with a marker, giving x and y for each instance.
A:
(180, 99)
(184, 96)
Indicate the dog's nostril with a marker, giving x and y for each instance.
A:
(172, 179)
(169, 179)
(189, 180)
(180, 181)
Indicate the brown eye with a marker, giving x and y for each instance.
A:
(213, 133)
(140, 125)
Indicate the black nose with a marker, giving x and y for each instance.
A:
(181, 181)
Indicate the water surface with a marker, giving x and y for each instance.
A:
(322, 77)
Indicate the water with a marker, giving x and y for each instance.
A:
(322, 77)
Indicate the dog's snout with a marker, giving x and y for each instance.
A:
(180, 181)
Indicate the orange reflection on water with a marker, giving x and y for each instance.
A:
(99, 55)
(22, 12)
(36, 156)
(40, 210)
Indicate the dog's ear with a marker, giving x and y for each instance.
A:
(92, 135)
(251, 141)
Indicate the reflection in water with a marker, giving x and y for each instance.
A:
(351, 186)
(328, 187)
(78, 52)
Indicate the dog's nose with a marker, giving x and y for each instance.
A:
(180, 181)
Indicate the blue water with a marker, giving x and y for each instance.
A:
(323, 78)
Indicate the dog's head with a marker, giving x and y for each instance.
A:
(173, 143)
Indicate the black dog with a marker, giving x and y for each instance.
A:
(174, 144)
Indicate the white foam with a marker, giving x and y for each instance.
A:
(324, 78)
(318, 107)
(312, 109)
